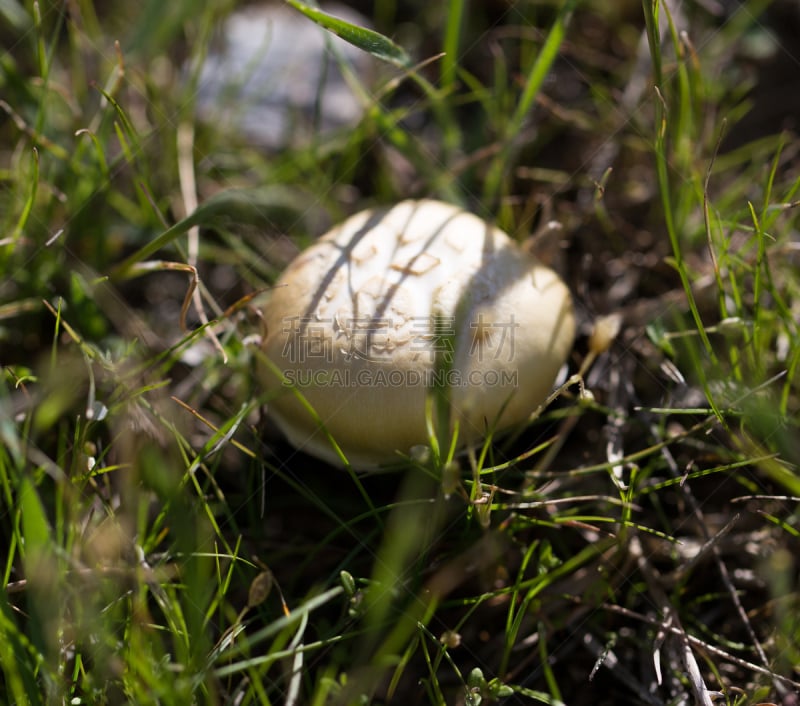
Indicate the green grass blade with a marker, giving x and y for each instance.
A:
(26, 211)
(234, 205)
(533, 85)
(16, 657)
(452, 38)
(35, 528)
(367, 40)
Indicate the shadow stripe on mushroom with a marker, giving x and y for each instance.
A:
(397, 302)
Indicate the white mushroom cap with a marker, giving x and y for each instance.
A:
(391, 303)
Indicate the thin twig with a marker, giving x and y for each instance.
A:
(671, 622)
(185, 140)
(712, 546)
(702, 644)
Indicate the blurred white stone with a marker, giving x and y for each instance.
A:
(273, 69)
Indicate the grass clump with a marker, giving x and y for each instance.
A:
(636, 544)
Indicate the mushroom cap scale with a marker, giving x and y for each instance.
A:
(394, 302)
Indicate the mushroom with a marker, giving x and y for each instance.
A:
(395, 303)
